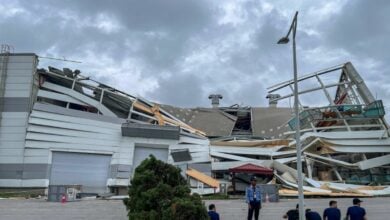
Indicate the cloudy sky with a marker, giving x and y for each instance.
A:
(178, 52)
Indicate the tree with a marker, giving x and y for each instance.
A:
(158, 191)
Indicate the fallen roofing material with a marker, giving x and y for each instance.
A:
(345, 141)
(82, 93)
(374, 162)
(348, 136)
(202, 178)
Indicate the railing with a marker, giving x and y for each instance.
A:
(330, 117)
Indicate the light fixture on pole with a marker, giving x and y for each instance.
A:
(285, 40)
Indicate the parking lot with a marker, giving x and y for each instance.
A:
(38, 209)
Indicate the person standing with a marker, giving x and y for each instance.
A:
(292, 214)
(253, 198)
(213, 214)
(356, 212)
(332, 213)
(312, 215)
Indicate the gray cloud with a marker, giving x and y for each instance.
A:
(178, 52)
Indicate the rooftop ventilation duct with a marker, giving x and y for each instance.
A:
(272, 102)
(215, 100)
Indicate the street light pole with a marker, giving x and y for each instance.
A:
(285, 40)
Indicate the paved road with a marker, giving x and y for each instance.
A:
(35, 209)
(39, 209)
(377, 208)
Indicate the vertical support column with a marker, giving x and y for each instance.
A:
(73, 84)
(309, 167)
(101, 98)
(334, 169)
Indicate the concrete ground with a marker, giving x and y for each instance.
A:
(38, 209)
(377, 208)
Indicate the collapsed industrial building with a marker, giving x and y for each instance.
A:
(59, 127)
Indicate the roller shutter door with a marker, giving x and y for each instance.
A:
(141, 153)
(89, 170)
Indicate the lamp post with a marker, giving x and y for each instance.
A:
(285, 40)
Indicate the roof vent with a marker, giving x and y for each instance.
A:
(215, 100)
(272, 102)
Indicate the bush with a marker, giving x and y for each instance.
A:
(158, 191)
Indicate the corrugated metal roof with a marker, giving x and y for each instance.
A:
(265, 121)
(202, 177)
(213, 122)
(270, 122)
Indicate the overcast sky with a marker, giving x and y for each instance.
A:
(178, 52)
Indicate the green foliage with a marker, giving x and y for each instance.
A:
(216, 197)
(159, 191)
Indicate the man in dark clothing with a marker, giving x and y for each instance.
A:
(332, 213)
(213, 215)
(292, 214)
(356, 212)
(253, 198)
(312, 215)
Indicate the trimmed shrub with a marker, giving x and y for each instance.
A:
(159, 192)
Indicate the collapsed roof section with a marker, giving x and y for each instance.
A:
(235, 122)
(213, 122)
(346, 140)
(270, 122)
(69, 89)
(353, 107)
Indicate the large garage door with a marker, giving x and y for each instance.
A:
(141, 153)
(89, 170)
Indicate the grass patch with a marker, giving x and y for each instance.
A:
(20, 194)
(215, 197)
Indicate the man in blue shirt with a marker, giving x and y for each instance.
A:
(356, 212)
(312, 215)
(253, 198)
(292, 214)
(332, 213)
(213, 215)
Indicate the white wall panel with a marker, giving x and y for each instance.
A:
(16, 93)
(72, 126)
(21, 59)
(72, 133)
(103, 109)
(17, 86)
(66, 139)
(35, 183)
(75, 120)
(11, 159)
(11, 152)
(12, 136)
(23, 115)
(27, 80)
(11, 144)
(118, 182)
(36, 159)
(19, 72)
(17, 63)
(13, 122)
(141, 153)
(12, 130)
(32, 152)
(58, 96)
(70, 146)
(10, 182)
